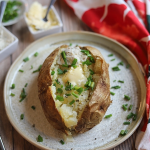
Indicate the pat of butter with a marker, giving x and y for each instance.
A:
(75, 76)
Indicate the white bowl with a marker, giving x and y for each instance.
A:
(21, 11)
(41, 33)
(10, 48)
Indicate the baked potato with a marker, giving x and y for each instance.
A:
(74, 88)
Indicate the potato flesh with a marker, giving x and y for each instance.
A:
(70, 113)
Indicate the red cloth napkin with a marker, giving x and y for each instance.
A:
(128, 22)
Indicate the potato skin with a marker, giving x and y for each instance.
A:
(98, 102)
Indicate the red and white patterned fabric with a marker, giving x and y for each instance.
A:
(128, 22)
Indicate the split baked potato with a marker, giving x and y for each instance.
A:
(74, 88)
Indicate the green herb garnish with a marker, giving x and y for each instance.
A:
(80, 90)
(54, 84)
(130, 107)
(62, 142)
(134, 117)
(65, 65)
(127, 66)
(31, 67)
(110, 55)
(112, 59)
(22, 116)
(59, 71)
(65, 71)
(126, 123)
(39, 68)
(12, 94)
(26, 85)
(92, 85)
(112, 93)
(63, 54)
(53, 72)
(74, 66)
(124, 107)
(108, 116)
(39, 139)
(26, 59)
(116, 87)
(21, 70)
(22, 95)
(114, 81)
(116, 68)
(87, 62)
(68, 94)
(13, 86)
(130, 116)
(71, 102)
(74, 62)
(61, 86)
(60, 98)
(36, 54)
(59, 90)
(33, 107)
(121, 63)
(123, 132)
(70, 44)
(75, 95)
(91, 72)
(127, 97)
(56, 80)
(69, 86)
(86, 52)
(121, 81)
(86, 89)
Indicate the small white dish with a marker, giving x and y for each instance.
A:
(21, 11)
(11, 47)
(41, 33)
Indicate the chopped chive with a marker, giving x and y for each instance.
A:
(127, 97)
(26, 85)
(110, 55)
(87, 62)
(53, 72)
(91, 72)
(74, 62)
(65, 65)
(112, 59)
(26, 59)
(121, 63)
(80, 90)
(108, 116)
(123, 132)
(22, 95)
(86, 52)
(130, 107)
(89, 84)
(121, 81)
(36, 54)
(124, 107)
(39, 139)
(54, 84)
(59, 71)
(56, 80)
(71, 102)
(75, 95)
(112, 93)
(12, 94)
(21, 70)
(59, 90)
(13, 86)
(70, 44)
(126, 123)
(76, 87)
(127, 66)
(134, 117)
(116, 68)
(33, 107)
(86, 89)
(22, 116)
(116, 87)
(74, 66)
(61, 86)
(39, 68)
(31, 67)
(92, 85)
(60, 98)
(63, 54)
(114, 81)
(68, 94)
(65, 71)
(69, 86)
(62, 142)
(130, 116)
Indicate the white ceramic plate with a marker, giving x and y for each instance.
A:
(103, 136)
(21, 11)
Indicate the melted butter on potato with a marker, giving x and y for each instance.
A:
(75, 76)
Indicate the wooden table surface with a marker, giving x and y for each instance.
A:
(11, 138)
